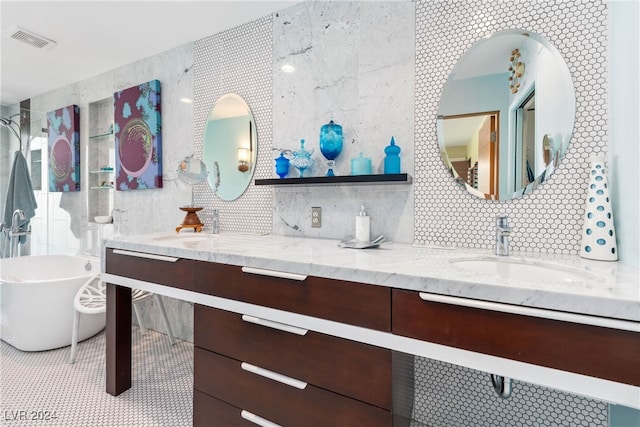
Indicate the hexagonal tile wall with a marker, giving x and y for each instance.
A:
(454, 396)
(550, 219)
(220, 67)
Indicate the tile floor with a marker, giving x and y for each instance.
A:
(43, 384)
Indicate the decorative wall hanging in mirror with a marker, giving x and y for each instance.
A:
(516, 69)
(230, 146)
(138, 137)
(502, 131)
(64, 149)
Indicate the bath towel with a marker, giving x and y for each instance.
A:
(19, 194)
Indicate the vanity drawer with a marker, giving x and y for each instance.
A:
(354, 369)
(170, 271)
(225, 379)
(209, 411)
(584, 349)
(347, 302)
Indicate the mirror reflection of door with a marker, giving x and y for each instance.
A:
(472, 146)
(530, 151)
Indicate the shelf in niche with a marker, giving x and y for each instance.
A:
(102, 187)
(395, 178)
(102, 171)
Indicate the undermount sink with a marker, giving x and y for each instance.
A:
(194, 237)
(185, 237)
(523, 269)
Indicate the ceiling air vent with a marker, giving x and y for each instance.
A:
(30, 38)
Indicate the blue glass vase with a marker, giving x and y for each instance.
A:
(331, 143)
(282, 166)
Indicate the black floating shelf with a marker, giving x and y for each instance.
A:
(394, 178)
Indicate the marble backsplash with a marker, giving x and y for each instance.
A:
(354, 64)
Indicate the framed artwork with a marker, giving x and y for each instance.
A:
(138, 137)
(64, 149)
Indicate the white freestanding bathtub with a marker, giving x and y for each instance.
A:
(36, 300)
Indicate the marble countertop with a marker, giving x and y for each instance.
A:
(597, 288)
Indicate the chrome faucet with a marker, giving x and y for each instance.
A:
(18, 215)
(502, 235)
(15, 232)
(215, 221)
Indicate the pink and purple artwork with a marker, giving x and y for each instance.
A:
(138, 137)
(64, 149)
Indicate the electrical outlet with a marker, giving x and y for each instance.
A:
(316, 217)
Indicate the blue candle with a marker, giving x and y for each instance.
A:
(361, 165)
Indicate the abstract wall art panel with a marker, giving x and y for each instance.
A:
(138, 137)
(64, 149)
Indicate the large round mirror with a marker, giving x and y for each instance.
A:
(230, 146)
(506, 115)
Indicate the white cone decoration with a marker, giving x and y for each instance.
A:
(598, 232)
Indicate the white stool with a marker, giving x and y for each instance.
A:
(91, 298)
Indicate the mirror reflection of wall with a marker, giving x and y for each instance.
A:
(514, 134)
(230, 147)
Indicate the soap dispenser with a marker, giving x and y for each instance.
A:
(363, 225)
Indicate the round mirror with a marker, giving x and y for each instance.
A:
(192, 171)
(506, 115)
(230, 146)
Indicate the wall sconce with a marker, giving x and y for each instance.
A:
(244, 157)
(244, 154)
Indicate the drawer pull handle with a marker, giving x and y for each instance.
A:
(257, 420)
(275, 325)
(274, 273)
(534, 312)
(146, 255)
(300, 385)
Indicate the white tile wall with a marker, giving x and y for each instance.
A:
(449, 395)
(550, 220)
(237, 61)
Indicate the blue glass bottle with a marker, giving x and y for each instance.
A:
(392, 160)
(331, 143)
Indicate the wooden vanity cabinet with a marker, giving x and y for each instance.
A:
(245, 368)
(595, 351)
(342, 301)
(336, 381)
(347, 367)
(209, 411)
(224, 378)
(174, 272)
